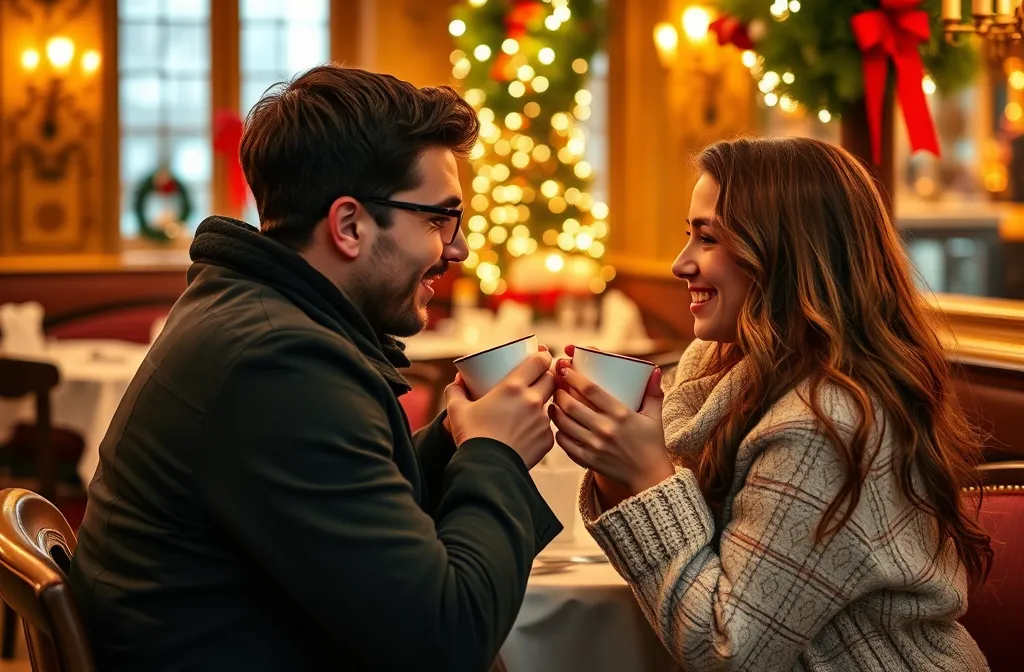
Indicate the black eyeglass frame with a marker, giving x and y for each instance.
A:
(419, 207)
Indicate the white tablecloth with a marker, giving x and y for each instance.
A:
(584, 619)
(94, 376)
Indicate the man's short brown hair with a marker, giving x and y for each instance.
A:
(336, 131)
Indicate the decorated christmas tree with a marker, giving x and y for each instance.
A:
(524, 64)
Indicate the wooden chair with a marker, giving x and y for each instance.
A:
(36, 545)
(993, 611)
(22, 378)
(423, 402)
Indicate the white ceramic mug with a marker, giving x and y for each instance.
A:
(625, 378)
(483, 370)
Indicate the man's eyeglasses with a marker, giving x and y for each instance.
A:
(449, 226)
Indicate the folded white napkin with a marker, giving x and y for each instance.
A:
(514, 319)
(21, 326)
(621, 319)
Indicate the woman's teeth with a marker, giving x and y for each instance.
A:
(701, 297)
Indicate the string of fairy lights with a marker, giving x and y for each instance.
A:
(516, 213)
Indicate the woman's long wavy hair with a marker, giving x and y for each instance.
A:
(833, 302)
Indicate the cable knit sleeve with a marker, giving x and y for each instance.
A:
(758, 599)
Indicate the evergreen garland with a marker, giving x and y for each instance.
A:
(816, 44)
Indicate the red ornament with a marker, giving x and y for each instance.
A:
(730, 30)
(517, 20)
(895, 31)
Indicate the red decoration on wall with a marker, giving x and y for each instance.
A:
(227, 138)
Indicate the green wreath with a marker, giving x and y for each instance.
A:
(164, 182)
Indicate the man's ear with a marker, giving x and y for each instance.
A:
(344, 228)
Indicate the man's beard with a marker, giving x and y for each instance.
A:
(387, 290)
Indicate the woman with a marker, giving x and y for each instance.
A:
(811, 519)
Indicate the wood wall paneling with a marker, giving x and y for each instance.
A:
(659, 119)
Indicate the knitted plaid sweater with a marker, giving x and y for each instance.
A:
(763, 595)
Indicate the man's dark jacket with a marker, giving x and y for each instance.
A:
(262, 505)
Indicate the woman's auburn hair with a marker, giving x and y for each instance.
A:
(833, 303)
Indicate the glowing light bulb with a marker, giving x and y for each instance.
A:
(457, 28)
(554, 262)
(482, 52)
(30, 59)
(546, 55)
(540, 84)
(824, 116)
(513, 121)
(580, 66)
(510, 46)
(60, 51)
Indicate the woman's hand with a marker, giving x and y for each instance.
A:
(597, 432)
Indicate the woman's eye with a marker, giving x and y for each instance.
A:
(439, 222)
(707, 240)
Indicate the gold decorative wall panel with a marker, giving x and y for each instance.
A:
(55, 60)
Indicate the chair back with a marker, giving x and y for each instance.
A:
(423, 402)
(22, 377)
(36, 545)
(19, 378)
(994, 610)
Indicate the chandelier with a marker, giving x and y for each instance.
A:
(1000, 23)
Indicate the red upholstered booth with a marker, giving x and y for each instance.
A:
(995, 613)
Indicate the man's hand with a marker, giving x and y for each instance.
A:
(512, 413)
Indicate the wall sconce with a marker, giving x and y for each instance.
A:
(999, 24)
(59, 59)
(702, 66)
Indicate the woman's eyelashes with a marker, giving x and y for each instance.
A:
(704, 238)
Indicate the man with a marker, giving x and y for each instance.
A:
(261, 503)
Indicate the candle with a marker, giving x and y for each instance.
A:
(1004, 8)
(981, 7)
(951, 10)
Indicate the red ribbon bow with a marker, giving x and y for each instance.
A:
(227, 138)
(895, 30)
(730, 30)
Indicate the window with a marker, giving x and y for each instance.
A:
(279, 39)
(164, 70)
(165, 74)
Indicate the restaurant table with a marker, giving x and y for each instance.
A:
(94, 375)
(583, 618)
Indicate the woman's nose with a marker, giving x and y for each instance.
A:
(684, 266)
